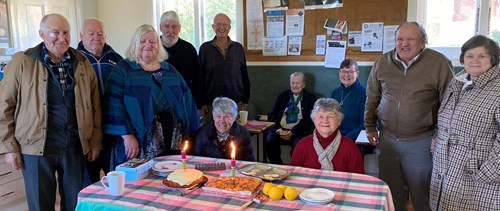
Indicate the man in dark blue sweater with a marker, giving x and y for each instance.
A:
(103, 58)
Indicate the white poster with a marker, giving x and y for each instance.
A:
(320, 44)
(389, 38)
(354, 38)
(275, 23)
(255, 24)
(372, 34)
(294, 45)
(274, 46)
(295, 22)
(335, 53)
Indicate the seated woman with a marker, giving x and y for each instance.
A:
(147, 103)
(291, 117)
(326, 148)
(214, 139)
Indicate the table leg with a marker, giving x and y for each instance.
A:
(264, 146)
(258, 148)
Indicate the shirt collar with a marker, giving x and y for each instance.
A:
(47, 59)
(396, 57)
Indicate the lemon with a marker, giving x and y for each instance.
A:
(267, 187)
(282, 187)
(291, 193)
(275, 193)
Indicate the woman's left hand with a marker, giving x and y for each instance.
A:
(131, 146)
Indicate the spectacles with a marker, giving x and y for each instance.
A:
(225, 25)
(347, 72)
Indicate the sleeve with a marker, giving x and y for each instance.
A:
(246, 145)
(274, 115)
(96, 139)
(116, 118)
(197, 79)
(299, 154)
(244, 75)
(353, 134)
(203, 76)
(10, 86)
(305, 125)
(489, 171)
(373, 96)
(356, 163)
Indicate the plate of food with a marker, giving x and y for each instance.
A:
(244, 187)
(264, 172)
(167, 166)
(184, 178)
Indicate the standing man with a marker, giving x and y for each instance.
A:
(103, 58)
(404, 91)
(181, 54)
(51, 116)
(223, 67)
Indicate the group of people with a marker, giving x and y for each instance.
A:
(437, 134)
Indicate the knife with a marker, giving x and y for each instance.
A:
(191, 189)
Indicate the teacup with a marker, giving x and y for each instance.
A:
(116, 182)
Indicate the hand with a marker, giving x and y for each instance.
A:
(13, 159)
(286, 135)
(372, 138)
(204, 110)
(92, 155)
(433, 146)
(131, 146)
(244, 106)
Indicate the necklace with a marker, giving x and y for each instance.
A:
(342, 98)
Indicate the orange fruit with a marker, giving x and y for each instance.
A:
(275, 193)
(267, 187)
(282, 187)
(291, 193)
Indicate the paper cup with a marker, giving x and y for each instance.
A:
(243, 117)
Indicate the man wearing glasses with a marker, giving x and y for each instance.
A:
(223, 68)
(50, 115)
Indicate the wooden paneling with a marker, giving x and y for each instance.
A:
(355, 12)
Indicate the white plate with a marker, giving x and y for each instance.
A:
(167, 166)
(317, 195)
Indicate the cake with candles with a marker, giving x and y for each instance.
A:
(183, 178)
(238, 186)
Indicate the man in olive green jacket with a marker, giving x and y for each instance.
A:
(50, 116)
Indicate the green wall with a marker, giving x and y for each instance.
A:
(268, 81)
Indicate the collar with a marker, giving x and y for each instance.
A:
(353, 86)
(228, 43)
(325, 141)
(396, 57)
(47, 59)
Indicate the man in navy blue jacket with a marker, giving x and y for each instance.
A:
(103, 58)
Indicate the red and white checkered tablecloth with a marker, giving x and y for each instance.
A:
(352, 192)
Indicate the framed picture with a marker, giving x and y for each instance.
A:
(4, 24)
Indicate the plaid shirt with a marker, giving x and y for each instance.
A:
(62, 70)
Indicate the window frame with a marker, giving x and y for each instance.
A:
(416, 12)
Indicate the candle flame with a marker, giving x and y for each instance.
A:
(186, 143)
(233, 150)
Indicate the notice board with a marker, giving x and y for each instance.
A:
(355, 12)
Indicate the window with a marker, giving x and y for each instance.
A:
(449, 23)
(196, 17)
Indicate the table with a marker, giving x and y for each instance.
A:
(352, 192)
(257, 131)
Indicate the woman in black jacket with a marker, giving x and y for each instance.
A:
(214, 140)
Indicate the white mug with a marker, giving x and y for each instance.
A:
(116, 182)
(243, 117)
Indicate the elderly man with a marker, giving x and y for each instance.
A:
(404, 91)
(223, 67)
(290, 114)
(181, 54)
(103, 58)
(51, 116)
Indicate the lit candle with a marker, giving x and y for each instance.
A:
(183, 154)
(233, 160)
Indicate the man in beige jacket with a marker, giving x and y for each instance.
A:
(50, 116)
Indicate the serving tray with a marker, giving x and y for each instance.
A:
(264, 172)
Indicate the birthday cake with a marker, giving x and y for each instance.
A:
(183, 178)
(238, 186)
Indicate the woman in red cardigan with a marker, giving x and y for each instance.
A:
(326, 148)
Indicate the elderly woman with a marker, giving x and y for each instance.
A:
(326, 148)
(291, 117)
(466, 161)
(213, 140)
(147, 102)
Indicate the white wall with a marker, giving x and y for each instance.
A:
(121, 18)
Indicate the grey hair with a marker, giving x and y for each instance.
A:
(136, 41)
(421, 29)
(93, 19)
(224, 105)
(43, 22)
(170, 15)
(327, 104)
(221, 14)
(299, 74)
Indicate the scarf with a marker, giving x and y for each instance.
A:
(292, 110)
(325, 156)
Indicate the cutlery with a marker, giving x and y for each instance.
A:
(191, 189)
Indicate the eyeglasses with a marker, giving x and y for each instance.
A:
(225, 25)
(347, 72)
